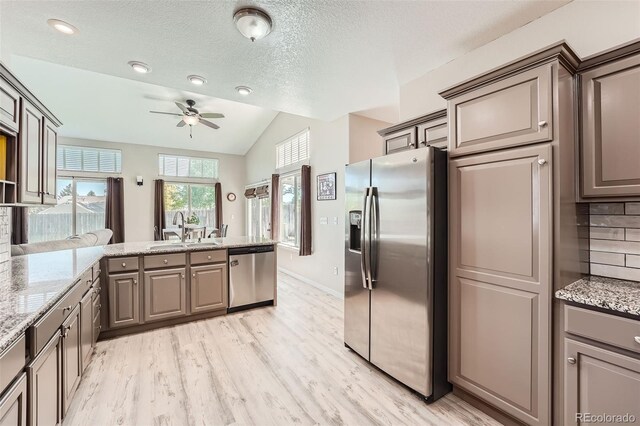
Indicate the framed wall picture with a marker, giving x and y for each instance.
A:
(326, 186)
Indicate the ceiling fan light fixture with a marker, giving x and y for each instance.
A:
(140, 67)
(63, 27)
(197, 80)
(244, 90)
(252, 23)
(191, 120)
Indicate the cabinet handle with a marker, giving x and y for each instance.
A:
(99, 306)
(98, 271)
(67, 308)
(124, 265)
(209, 257)
(571, 360)
(412, 145)
(165, 261)
(542, 161)
(99, 327)
(424, 143)
(135, 281)
(182, 275)
(542, 123)
(194, 275)
(637, 339)
(66, 333)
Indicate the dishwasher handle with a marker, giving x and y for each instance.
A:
(234, 262)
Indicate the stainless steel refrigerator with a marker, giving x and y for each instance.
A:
(395, 312)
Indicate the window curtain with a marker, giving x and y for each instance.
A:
(305, 211)
(275, 207)
(114, 217)
(19, 225)
(159, 221)
(218, 190)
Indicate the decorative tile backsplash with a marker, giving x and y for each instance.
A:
(614, 232)
(5, 234)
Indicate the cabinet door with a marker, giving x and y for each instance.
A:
(500, 279)
(9, 107)
(124, 302)
(31, 137)
(71, 358)
(510, 112)
(96, 308)
(164, 294)
(13, 405)
(598, 381)
(400, 140)
(45, 380)
(208, 288)
(610, 100)
(433, 133)
(49, 153)
(86, 327)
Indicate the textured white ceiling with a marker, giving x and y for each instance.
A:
(104, 107)
(323, 58)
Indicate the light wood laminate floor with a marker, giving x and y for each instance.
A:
(268, 366)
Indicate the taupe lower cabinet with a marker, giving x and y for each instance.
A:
(86, 328)
(45, 393)
(13, 405)
(124, 301)
(600, 381)
(610, 136)
(164, 294)
(71, 357)
(208, 288)
(500, 228)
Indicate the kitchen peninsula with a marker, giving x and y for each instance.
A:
(53, 306)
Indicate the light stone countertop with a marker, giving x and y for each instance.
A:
(31, 284)
(607, 293)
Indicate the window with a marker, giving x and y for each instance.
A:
(290, 195)
(190, 199)
(80, 209)
(292, 151)
(88, 159)
(191, 167)
(259, 216)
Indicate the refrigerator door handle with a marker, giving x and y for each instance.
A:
(363, 239)
(374, 238)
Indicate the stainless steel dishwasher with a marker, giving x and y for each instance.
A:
(252, 277)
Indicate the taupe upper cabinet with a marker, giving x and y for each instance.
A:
(49, 152)
(9, 107)
(610, 124)
(427, 130)
(31, 144)
(513, 111)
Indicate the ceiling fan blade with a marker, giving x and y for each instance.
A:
(211, 115)
(182, 107)
(166, 113)
(209, 124)
(181, 124)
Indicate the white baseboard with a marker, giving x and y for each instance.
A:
(311, 282)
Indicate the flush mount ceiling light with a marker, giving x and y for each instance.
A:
(252, 23)
(244, 90)
(197, 80)
(63, 27)
(140, 67)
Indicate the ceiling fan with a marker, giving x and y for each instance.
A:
(192, 116)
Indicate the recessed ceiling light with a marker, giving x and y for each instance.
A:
(197, 80)
(244, 90)
(140, 67)
(252, 23)
(63, 27)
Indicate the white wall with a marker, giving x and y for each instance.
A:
(329, 153)
(364, 140)
(142, 160)
(588, 26)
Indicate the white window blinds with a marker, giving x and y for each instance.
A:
(293, 150)
(191, 167)
(89, 159)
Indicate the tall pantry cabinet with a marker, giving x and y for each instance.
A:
(513, 229)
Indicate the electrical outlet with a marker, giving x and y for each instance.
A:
(335, 270)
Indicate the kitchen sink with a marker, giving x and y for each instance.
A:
(166, 246)
(207, 244)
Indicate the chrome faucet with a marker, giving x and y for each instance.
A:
(175, 222)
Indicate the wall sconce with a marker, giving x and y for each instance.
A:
(139, 180)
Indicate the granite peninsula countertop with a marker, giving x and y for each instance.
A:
(33, 283)
(606, 293)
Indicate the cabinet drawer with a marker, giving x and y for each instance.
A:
(400, 140)
(12, 362)
(513, 111)
(605, 328)
(40, 333)
(210, 256)
(97, 270)
(122, 264)
(165, 260)
(9, 107)
(86, 280)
